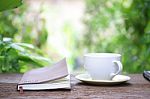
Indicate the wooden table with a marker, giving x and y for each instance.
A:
(136, 88)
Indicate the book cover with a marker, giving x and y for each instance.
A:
(49, 77)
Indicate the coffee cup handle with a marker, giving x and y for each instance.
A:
(119, 64)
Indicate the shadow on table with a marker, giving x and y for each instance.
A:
(115, 85)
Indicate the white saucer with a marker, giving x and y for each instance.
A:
(116, 80)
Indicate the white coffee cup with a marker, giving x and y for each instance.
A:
(103, 66)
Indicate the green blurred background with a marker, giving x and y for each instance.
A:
(41, 32)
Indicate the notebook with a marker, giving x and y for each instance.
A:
(49, 77)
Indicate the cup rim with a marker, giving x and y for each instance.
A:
(102, 55)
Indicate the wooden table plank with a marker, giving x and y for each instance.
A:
(137, 87)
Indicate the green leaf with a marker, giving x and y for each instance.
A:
(1, 58)
(17, 47)
(25, 45)
(9, 4)
(38, 60)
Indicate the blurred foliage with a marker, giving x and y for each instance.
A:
(121, 26)
(7, 28)
(9, 4)
(31, 31)
(13, 56)
(16, 57)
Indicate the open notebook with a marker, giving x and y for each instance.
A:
(49, 77)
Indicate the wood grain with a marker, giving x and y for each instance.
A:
(136, 88)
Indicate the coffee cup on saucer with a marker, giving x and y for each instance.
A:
(103, 66)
